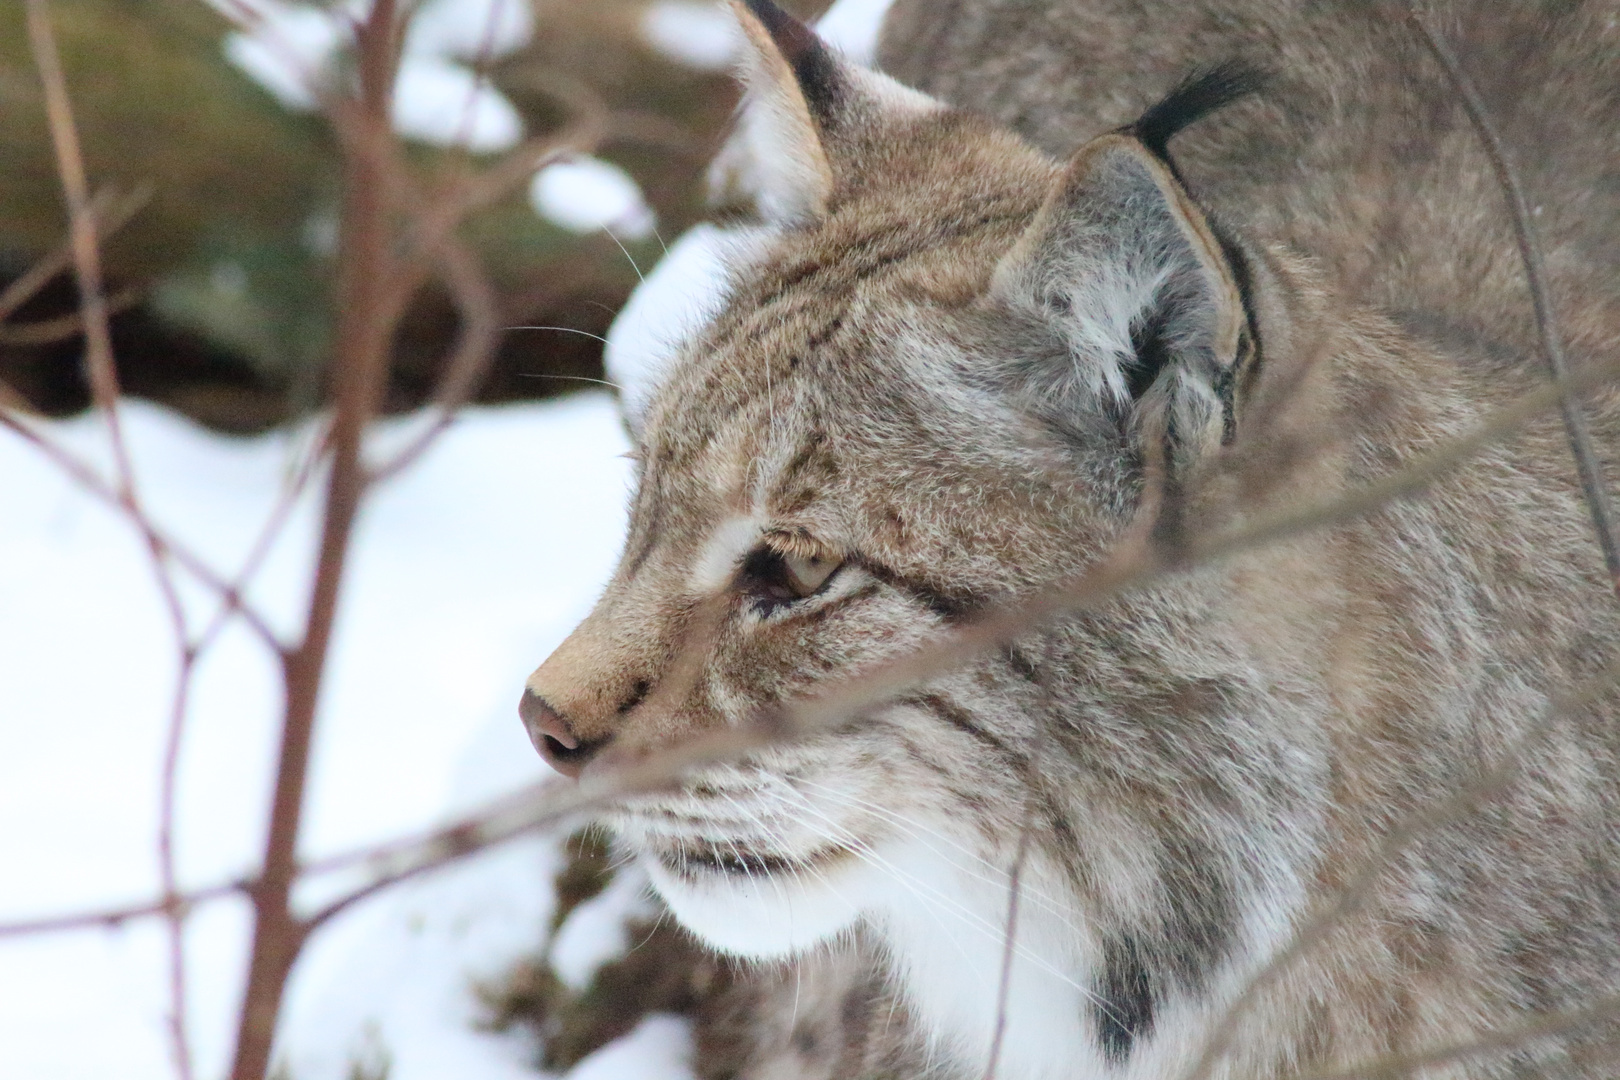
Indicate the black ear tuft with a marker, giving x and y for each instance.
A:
(814, 67)
(1194, 98)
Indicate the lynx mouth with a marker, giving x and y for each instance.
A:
(751, 898)
(695, 864)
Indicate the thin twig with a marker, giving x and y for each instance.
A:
(111, 213)
(1349, 898)
(174, 912)
(103, 378)
(63, 327)
(103, 375)
(1587, 465)
(480, 335)
(1015, 892)
(1510, 1038)
(292, 490)
(109, 918)
(1033, 786)
(93, 484)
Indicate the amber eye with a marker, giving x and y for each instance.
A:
(775, 577)
(806, 575)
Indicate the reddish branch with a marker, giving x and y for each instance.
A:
(393, 236)
(1593, 486)
(229, 593)
(360, 371)
(103, 378)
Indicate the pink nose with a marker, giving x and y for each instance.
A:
(553, 738)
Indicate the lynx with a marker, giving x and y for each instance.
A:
(998, 325)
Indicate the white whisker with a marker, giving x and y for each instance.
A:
(563, 329)
(920, 832)
(626, 251)
(940, 901)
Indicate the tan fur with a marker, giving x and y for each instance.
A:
(896, 383)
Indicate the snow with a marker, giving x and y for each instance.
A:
(701, 36)
(852, 26)
(444, 103)
(293, 47)
(467, 570)
(596, 931)
(585, 194)
(662, 1044)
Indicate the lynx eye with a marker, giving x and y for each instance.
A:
(807, 574)
(777, 577)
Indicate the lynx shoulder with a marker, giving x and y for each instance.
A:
(1071, 303)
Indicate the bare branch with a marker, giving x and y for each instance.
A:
(110, 212)
(1510, 1038)
(111, 918)
(1349, 899)
(480, 334)
(92, 483)
(103, 377)
(65, 326)
(1033, 786)
(1009, 941)
(102, 373)
(1587, 465)
(174, 912)
(365, 331)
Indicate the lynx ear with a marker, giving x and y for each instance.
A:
(1128, 271)
(803, 112)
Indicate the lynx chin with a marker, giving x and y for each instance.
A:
(1107, 271)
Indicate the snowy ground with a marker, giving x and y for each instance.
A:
(467, 570)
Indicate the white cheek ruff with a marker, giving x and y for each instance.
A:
(675, 302)
(766, 916)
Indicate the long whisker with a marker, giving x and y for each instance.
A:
(916, 830)
(626, 251)
(940, 901)
(572, 378)
(773, 835)
(563, 329)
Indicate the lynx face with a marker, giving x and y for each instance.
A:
(952, 372)
(939, 382)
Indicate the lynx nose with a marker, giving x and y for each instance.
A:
(552, 737)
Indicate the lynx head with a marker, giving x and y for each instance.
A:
(937, 382)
